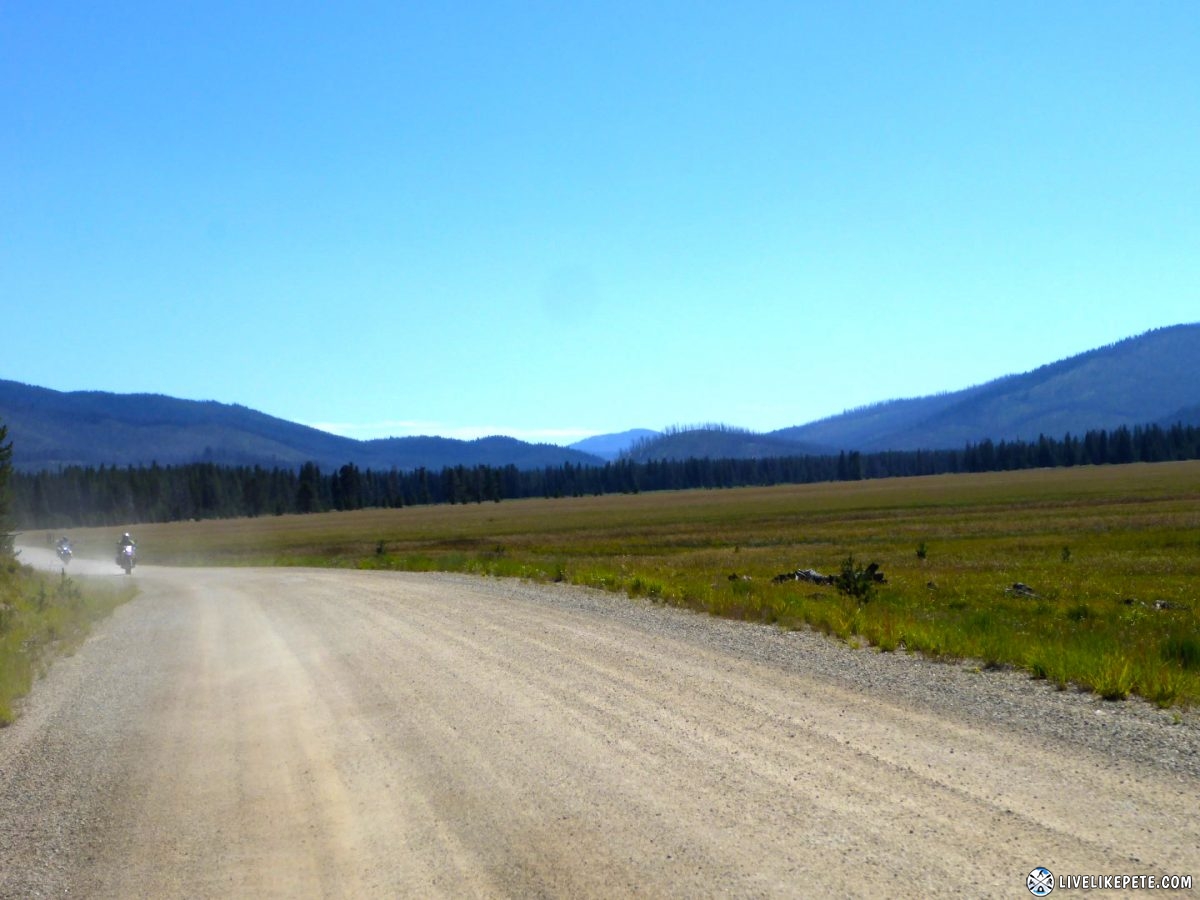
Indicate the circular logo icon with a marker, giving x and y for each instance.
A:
(1040, 882)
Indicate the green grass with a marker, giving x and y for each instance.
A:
(43, 616)
(1112, 554)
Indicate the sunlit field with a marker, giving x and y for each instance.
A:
(1108, 557)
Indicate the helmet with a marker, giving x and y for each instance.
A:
(126, 534)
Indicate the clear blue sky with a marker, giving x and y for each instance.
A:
(552, 219)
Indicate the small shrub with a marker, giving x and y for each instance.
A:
(856, 581)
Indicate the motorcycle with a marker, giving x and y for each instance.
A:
(64, 553)
(126, 559)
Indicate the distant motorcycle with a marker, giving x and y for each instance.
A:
(64, 552)
(126, 558)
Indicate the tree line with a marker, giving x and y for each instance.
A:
(78, 496)
(6, 471)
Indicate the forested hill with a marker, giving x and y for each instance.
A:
(1150, 378)
(54, 429)
(718, 442)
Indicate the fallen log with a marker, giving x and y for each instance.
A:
(812, 576)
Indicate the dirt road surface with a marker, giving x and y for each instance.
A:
(303, 733)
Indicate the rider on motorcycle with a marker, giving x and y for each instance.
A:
(126, 548)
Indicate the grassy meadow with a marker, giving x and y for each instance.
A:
(1111, 555)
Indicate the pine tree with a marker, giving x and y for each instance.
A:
(308, 490)
(6, 536)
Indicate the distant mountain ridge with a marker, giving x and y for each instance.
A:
(718, 442)
(1153, 378)
(51, 429)
(611, 446)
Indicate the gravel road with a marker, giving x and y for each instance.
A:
(305, 733)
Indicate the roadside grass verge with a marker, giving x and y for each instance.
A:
(1110, 557)
(43, 616)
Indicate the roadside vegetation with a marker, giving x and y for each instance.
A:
(44, 616)
(1087, 577)
(41, 616)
